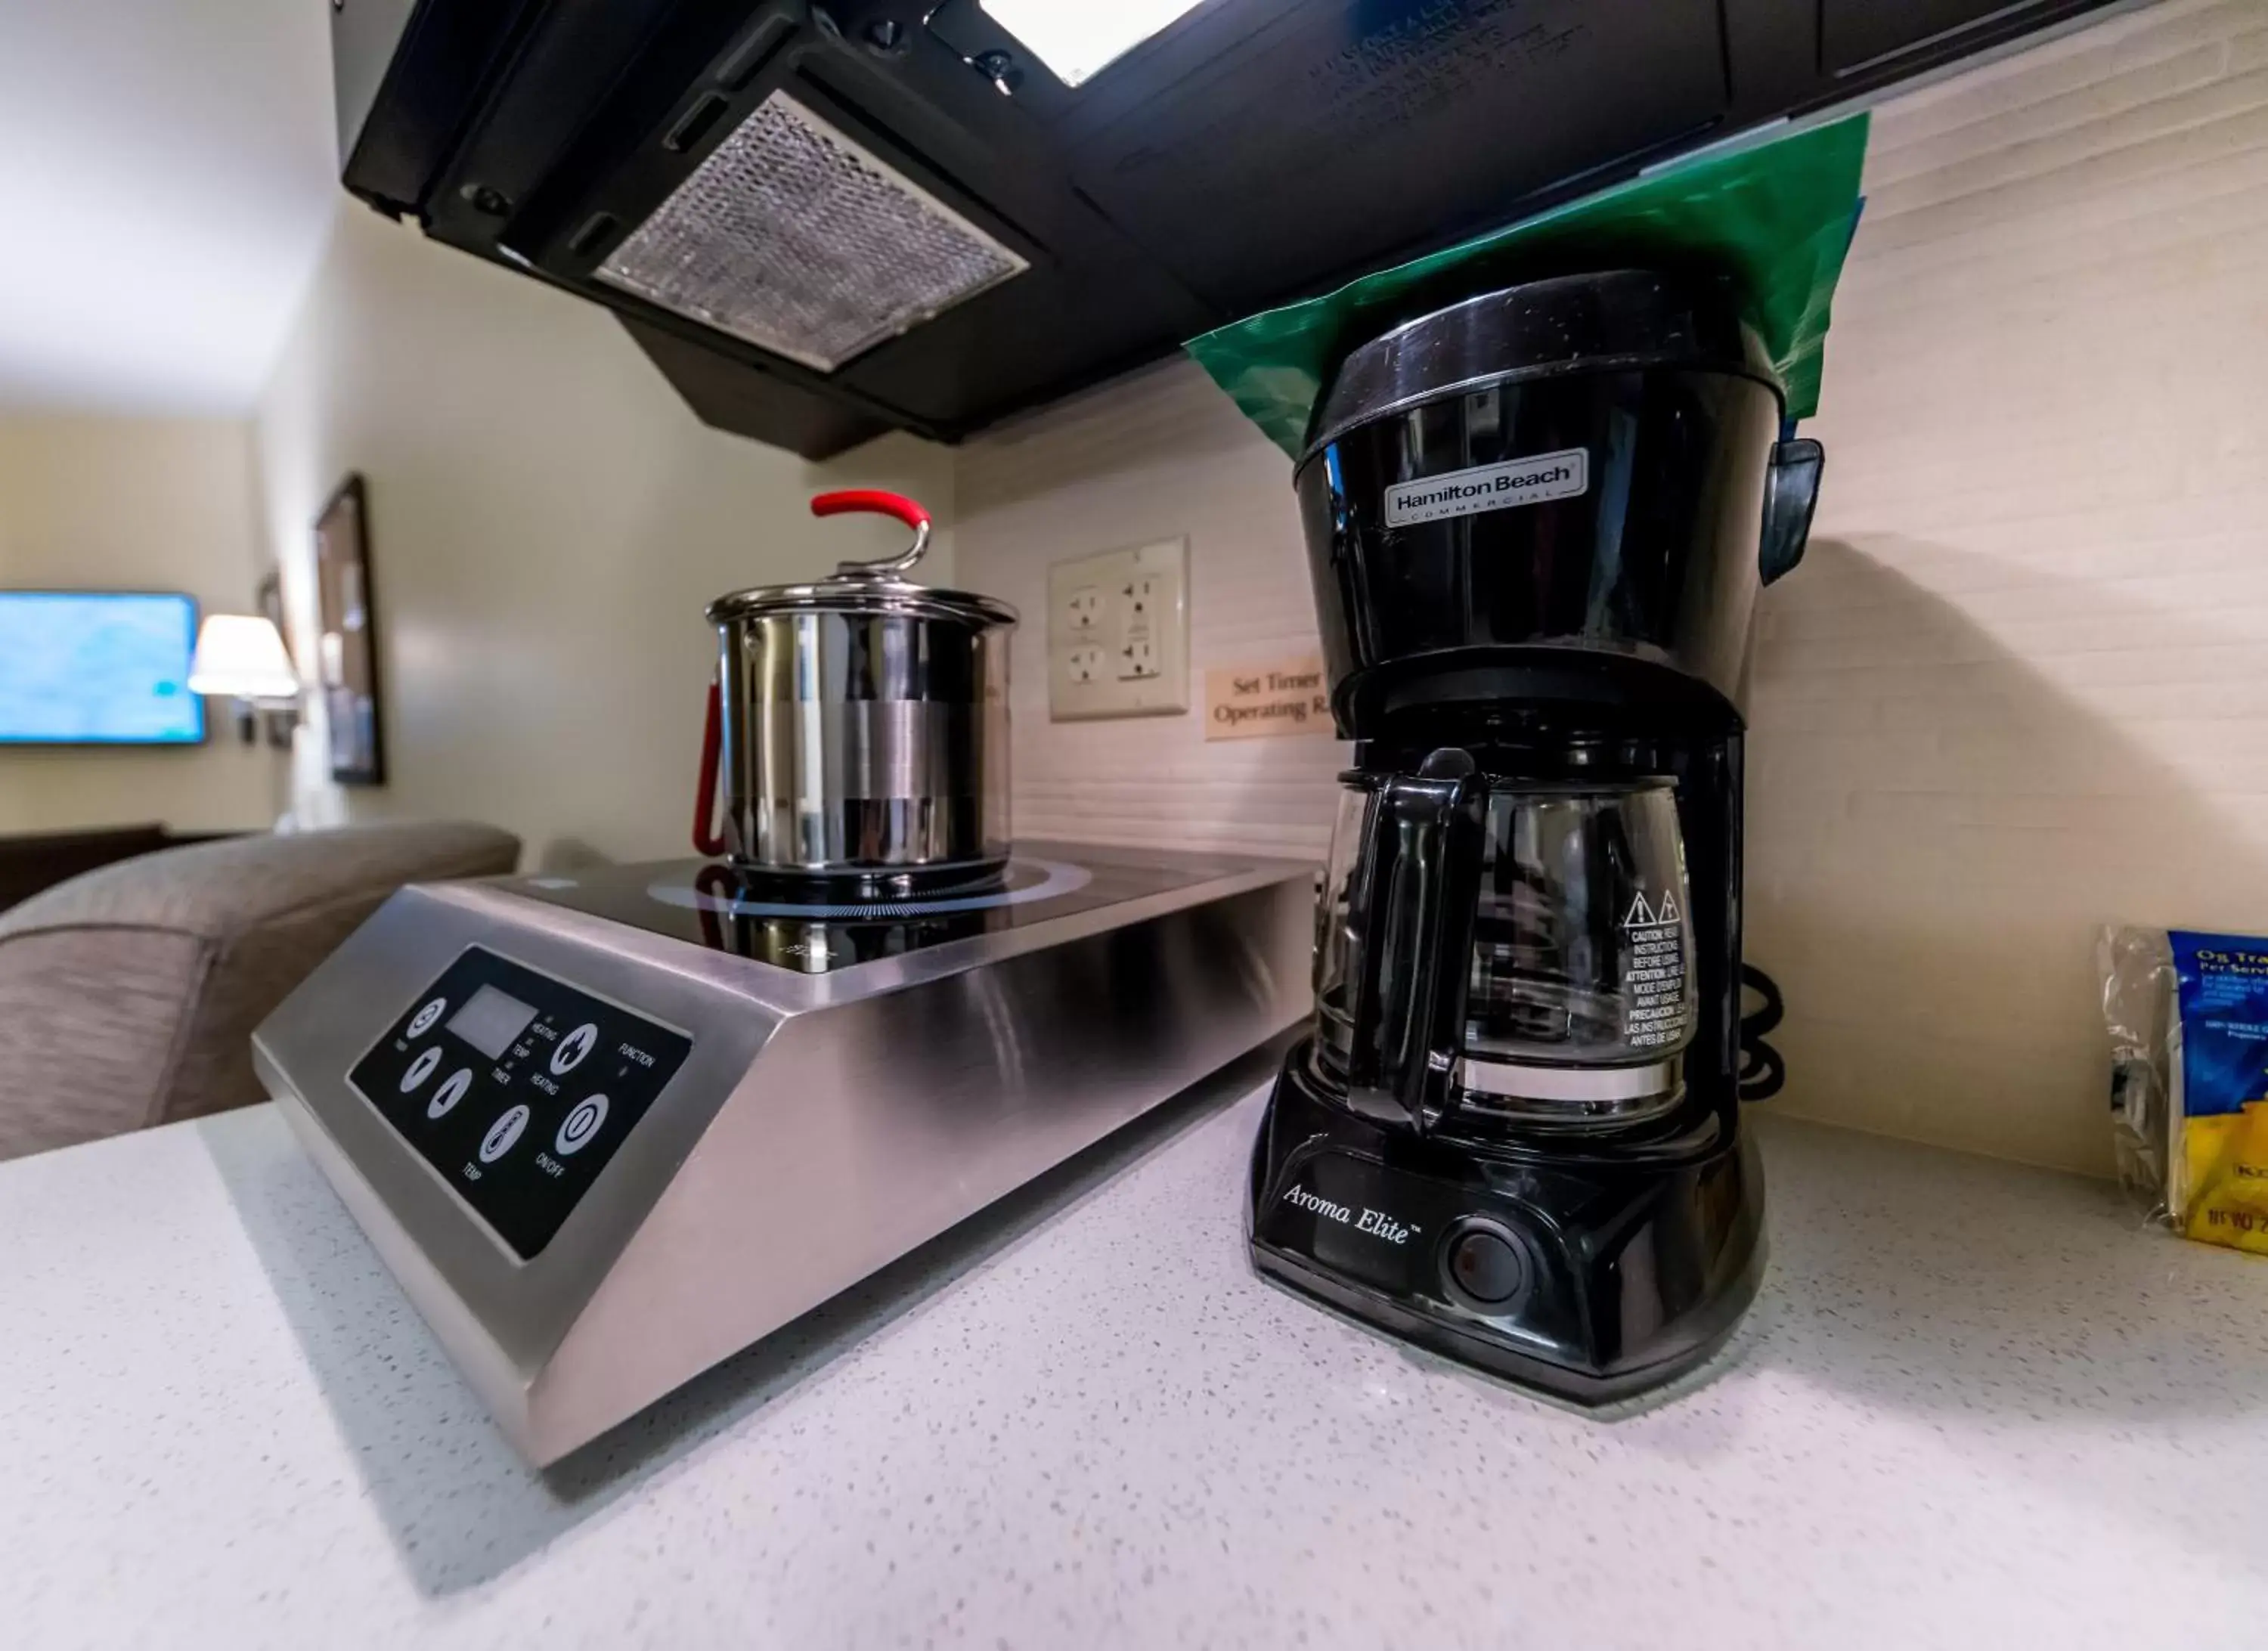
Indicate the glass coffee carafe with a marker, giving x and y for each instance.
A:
(1516, 952)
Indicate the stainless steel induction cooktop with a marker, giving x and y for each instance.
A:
(608, 1128)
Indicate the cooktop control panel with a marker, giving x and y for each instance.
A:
(516, 1089)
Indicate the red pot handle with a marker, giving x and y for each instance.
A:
(878, 504)
(708, 837)
(873, 502)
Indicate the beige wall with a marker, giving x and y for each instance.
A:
(2015, 692)
(547, 520)
(134, 503)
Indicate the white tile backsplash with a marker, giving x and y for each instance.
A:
(1156, 456)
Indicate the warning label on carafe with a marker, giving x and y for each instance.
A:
(1654, 982)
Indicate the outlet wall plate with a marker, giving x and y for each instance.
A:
(1118, 634)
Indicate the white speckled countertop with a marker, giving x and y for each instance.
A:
(1974, 1405)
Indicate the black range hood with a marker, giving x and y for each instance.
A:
(826, 221)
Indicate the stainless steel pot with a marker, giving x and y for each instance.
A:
(861, 723)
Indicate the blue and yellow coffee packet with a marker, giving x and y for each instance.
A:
(2221, 981)
(2187, 1014)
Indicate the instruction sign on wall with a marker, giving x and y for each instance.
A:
(1262, 702)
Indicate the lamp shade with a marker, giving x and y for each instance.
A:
(241, 656)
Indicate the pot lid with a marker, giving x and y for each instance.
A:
(868, 587)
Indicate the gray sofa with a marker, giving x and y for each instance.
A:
(128, 996)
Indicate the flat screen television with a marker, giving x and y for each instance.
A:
(98, 668)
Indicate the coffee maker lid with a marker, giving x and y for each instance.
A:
(1603, 321)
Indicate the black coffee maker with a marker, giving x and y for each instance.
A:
(1538, 521)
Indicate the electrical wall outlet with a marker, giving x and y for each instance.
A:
(1118, 634)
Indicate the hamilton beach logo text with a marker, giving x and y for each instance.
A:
(1377, 1223)
(1489, 487)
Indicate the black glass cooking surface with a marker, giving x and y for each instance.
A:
(813, 933)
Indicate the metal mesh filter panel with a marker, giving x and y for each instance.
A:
(791, 237)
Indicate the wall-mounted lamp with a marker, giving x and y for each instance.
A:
(241, 656)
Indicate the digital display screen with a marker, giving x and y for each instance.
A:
(98, 668)
(490, 1019)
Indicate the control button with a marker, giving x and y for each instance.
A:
(572, 1048)
(581, 1123)
(449, 1093)
(420, 1069)
(503, 1135)
(1484, 1267)
(421, 1023)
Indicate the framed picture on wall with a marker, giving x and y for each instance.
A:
(347, 646)
(277, 723)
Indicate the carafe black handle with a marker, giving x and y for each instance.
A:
(1411, 911)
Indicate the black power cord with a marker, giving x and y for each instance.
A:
(1762, 1072)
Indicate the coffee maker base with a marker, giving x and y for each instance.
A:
(1591, 1275)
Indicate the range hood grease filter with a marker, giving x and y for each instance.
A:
(795, 239)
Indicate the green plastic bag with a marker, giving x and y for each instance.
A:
(1773, 217)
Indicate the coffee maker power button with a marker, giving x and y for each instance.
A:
(1482, 1267)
